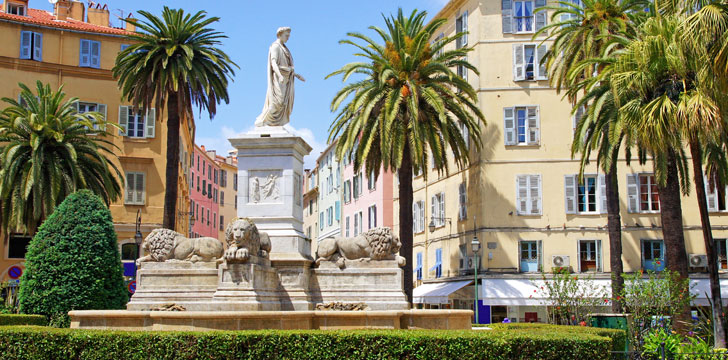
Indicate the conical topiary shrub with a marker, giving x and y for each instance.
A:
(73, 262)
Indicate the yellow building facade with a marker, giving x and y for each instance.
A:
(519, 195)
(76, 47)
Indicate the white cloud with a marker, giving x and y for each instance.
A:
(222, 146)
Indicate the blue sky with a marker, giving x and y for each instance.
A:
(317, 26)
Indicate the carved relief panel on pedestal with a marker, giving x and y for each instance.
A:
(265, 187)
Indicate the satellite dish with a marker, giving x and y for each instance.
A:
(53, 1)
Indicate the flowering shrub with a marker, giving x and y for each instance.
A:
(570, 300)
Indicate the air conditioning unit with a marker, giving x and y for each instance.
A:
(697, 260)
(560, 261)
(467, 265)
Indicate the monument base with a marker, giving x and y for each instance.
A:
(379, 284)
(190, 285)
(252, 285)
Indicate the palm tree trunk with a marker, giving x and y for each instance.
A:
(614, 226)
(172, 168)
(405, 218)
(672, 230)
(718, 326)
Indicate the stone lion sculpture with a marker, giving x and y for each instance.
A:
(169, 245)
(244, 240)
(375, 244)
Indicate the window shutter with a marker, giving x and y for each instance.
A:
(25, 44)
(140, 189)
(464, 39)
(599, 255)
(509, 126)
(338, 210)
(130, 186)
(85, 53)
(95, 54)
(321, 220)
(541, 15)
(123, 119)
(519, 72)
(535, 194)
(602, 194)
(101, 108)
(434, 211)
(533, 125)
(632, 192)
(540, 54)
(414, 217)
(522, 194)
(578, 115)
(442, 209)
(422, 216)
(540, 255)
(507, 16)
(38, 46)
(150, 121)
(570, 193)
(711, 196)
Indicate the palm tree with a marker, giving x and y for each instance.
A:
(50, 151)
(408, 103)
(581, 33)
(174, 61)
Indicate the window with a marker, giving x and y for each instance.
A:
(356, 224)
(463, 71)
(329, 216)
(330, 183)
(528, 194)
(321, 220)
(197, 211)
(578, 115)
(590, 255)
(587, 197)
(214, 196)
(90, 54)
(124, 47)
(308, 233)
(208, 217)
(373, 216)
(720, 250)
(461, 26)
(214, 219)
(519, 17)
(209, 172)
(235, 201)
(371, 181)
(209, 190)
(463, 201)
(214, 172)
(18, 245)
(346, 227)
(15, 9)
(527, 62)
(521, 125)
(357, 185)
(198, 183)
(435, 43)
(465, 133)
(134, 124)
(337, 212)
(653, 255)
(128, 252)
(223, 178)
(235, 182)
(437, 207)
(716, 196)
(222, 198)
(567, 17)
(530, 256)
(642, 193)
(85, 107)
(418, 216)
(310, 207)
(418, 268)
(347, 191)
(437, 268)
(204, 186)
(31, 45)
(202, 220)
(135, 188)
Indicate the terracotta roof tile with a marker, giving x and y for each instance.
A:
(45, 18)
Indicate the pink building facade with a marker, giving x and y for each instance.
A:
(367, 202)
(204, 194)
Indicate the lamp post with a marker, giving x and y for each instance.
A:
(138, 237)
(475, 244)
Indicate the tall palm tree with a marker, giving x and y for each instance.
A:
(581, 33)
(662, 83)
(407, 103)
(49, 151)
(174, 61)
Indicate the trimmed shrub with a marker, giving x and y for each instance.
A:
(73, 262)
(619, 337)
(49, 343)
(20, 319)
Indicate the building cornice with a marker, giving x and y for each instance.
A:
(55, 69)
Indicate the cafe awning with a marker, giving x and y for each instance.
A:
(437, 293)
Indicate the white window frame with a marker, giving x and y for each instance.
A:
(461, 26)
(532, 129)
(19, 9)
(372, 216)
(135, 196)
(418, 216)
(347, 227)
(437, 209)
(571, 194)
(126, 113)
(597, 254)
(516, 29)
(520, 63)
(371, 182)
(526, 184)
(463, 201)
(634, 188)
(347, 191)
(712, 196)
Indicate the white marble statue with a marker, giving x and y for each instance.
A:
(279, 97)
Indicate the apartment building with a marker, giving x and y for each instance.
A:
(76, 47)
(520, 195)
(367, 200)
(310, 204)
(205, 192)
(329, 200)
(228, 191)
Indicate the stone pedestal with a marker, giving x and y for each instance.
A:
(191, 285)
(270, 192)
(249, 286)
(379, 284)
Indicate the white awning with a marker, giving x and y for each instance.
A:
(522, 292)
(437, 293)
(701, 287)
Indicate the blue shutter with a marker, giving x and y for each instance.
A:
(95, 54)
(338, 210)
(26, 41)
(84, 53)
(37, 46)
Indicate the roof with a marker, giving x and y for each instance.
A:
(45, 18)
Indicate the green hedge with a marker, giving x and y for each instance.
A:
(52, 343)
(20, 319)
(619, 337)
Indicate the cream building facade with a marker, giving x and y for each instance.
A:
(520, 195)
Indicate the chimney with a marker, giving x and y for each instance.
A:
(129, 26)
(62, 9)
(77, 10)
(98, 15)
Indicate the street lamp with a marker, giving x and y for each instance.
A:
(138, 237)
(475, 244)
(432, 225)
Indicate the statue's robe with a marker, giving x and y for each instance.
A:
(279, 97)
